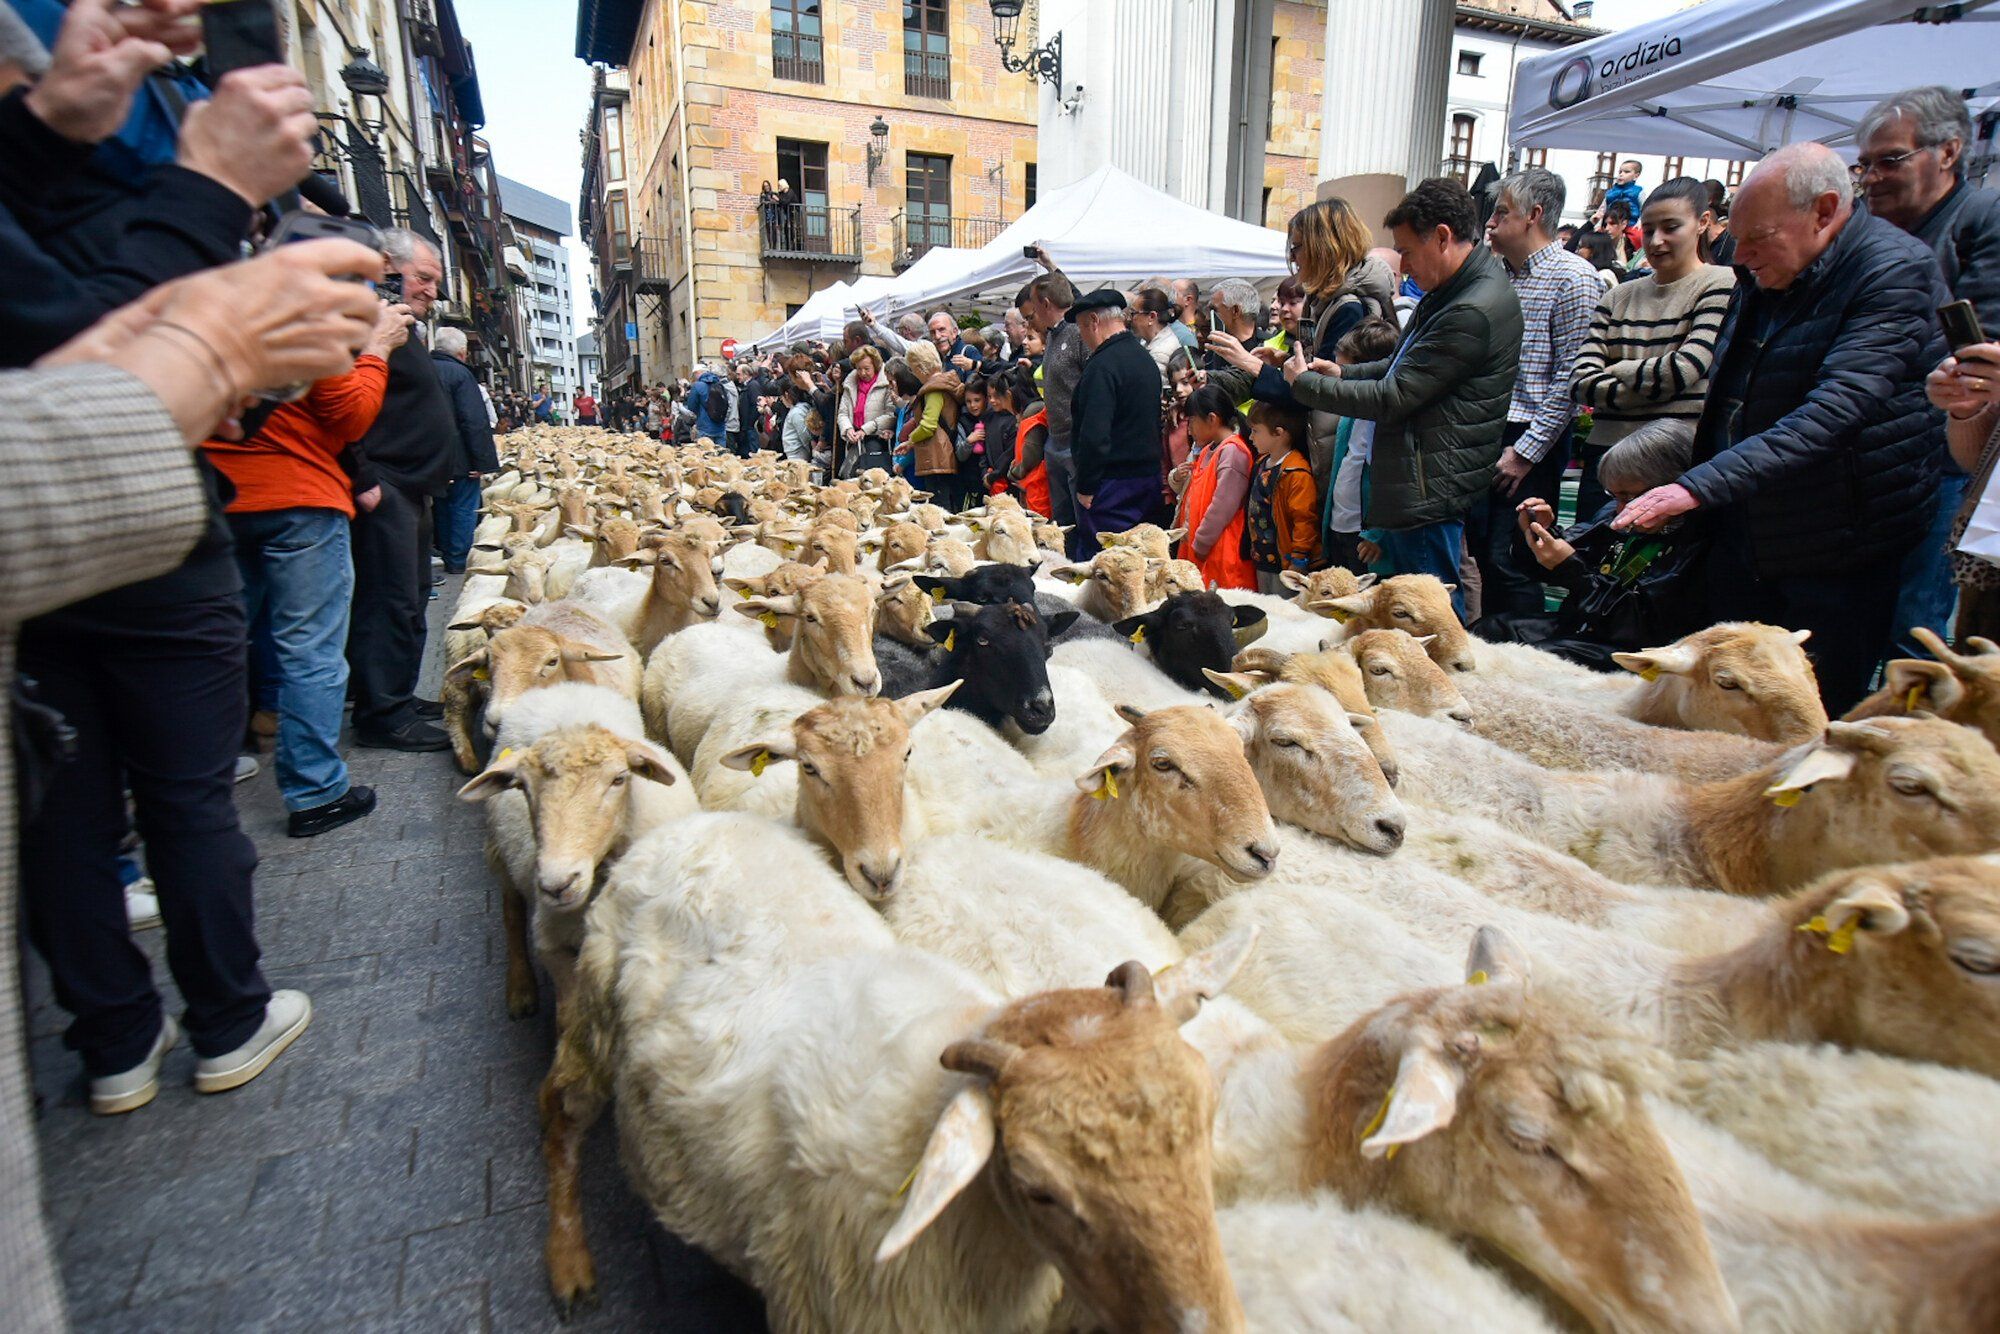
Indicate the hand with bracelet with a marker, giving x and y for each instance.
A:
(205, 343)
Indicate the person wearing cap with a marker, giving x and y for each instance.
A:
(1115, 423)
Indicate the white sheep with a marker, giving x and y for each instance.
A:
(1550, 730)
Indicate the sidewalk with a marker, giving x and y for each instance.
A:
(386, 1173)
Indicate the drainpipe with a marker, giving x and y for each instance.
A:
(687, 196)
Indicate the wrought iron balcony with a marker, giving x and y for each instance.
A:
(810, 232)
(916, 236)
(652, 265)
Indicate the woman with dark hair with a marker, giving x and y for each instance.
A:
(1721, 242)
(1652, 340)
(1602, 252)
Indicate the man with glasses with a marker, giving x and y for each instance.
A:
(1910, 173)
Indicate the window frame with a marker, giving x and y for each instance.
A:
(929, 22)
(924, 227)
(1467, 56)
(801, 65)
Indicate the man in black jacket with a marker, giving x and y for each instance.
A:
(1816, 451)
(1115, 423)
(413, 451)
(458, 513)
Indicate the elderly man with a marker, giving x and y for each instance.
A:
(1045, 303)
(1816, 450)
(1115, 443)
(458, 513)
(945, 336)
(1234, 306)
(1016, 325)
(412, 451)
(1559, 293)
(1440, 403)
(1911, 163)
(1187, 305)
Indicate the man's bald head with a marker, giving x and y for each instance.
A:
(1788, 211)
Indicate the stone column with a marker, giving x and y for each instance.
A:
(1382, 107)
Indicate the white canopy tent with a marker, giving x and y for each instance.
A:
(1739, 78)
(1109, 227)
(826, 312)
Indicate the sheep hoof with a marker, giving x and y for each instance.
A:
(581, 1301)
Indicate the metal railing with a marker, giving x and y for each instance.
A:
(652, 264)
(916, 236)
(810, 231)
(799, 58)
(1461, 168)
(927, 74)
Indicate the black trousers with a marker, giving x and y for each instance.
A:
(1510, 577)
(1849, 614)
(157, 698)
(392, 590)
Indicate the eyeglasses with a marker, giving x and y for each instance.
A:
(1887, 162)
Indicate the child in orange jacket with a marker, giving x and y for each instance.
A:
(1282, 532)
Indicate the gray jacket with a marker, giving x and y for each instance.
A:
(1964, 231)
(1062, 366)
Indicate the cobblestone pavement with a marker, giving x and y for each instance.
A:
(385, 1173)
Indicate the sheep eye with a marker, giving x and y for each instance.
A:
(619, 780)
(1400, 614)
(1909, 786)
(808, 768)
(1727, 683)
(811, 619)
(1378, 671)
(1163, 764)
(1977, 957)
(551, 664)
(1285, 742)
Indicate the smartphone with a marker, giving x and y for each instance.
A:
(390, 288)
(303, 226)
(1961, 325)
(1031, 251)
(240, 34)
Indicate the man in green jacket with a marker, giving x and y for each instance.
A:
(1440, 402)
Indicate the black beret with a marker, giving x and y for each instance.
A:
(1104, 298)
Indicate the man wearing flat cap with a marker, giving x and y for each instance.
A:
(1115, 430)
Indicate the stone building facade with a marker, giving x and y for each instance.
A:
(789, 90)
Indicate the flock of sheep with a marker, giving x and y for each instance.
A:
(968, 940)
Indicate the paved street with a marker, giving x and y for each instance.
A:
(385, 1174)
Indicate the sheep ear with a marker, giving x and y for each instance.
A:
(1062, 621)
(1131, 713)
(1340, 608)
(1424, 1100)
(1871, 905)
(1293, 580)
(468, 668)
(1248, 625)
(1918, 683)
(575, 652)
(646, 761)
(1366, 580)
(1182, 987)
(1674, 659)
(496, 778)
(785, 604)
(636, 560)
(1824, 763)
(1101, 779)
(469, 623)
(1238, 684)
(753, 757)
(1074, 574)
(918, 706)
(1361, 720)
(1495, 956)
(1801, 636)
(960, 1144)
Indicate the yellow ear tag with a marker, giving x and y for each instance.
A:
(937, 595)
(950, 640)
(769, 618)
(1235, 691)
(1107, 787)
(1139, 635)
(1381, 1115)
(1340, 614)
(1079, 578)
(1478, 979)
(1910, 700)
(505, 751)
(481, 674)
(1650, 674)
(1837, 942)
(908, 1181)
(1788, 798)
(759, 762)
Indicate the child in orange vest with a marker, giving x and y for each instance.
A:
(1213, 484)
(1283, 505)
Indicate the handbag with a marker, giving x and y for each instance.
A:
(1981, 538)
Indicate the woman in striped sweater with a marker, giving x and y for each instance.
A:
(1652, 340)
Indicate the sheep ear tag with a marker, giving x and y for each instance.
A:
(769, 619)
(1910, 700)
(1340, 615)
(1789, 797)
(481, 674)
(1478, 979)
(937, 595)
(1107, 787)
(1653, 674)
(1840, 939)
(1381, 1115)
(1139, 635)
(759, 762)
(950, 640)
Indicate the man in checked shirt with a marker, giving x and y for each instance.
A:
(1559, 291)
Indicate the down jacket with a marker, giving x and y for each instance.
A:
(1964, 232)
(1837, 451)
(1440, 404)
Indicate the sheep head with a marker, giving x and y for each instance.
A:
(852, 756)
(1180, 777)
(1397, 672)
(1148, 539)
(578, 785)
(1315, 592)
(1742, 677)
(1092, 1121)
(1192, 632)
(833, 633)
(1117, 579)
(522, 658)
(1492, 1113)
(1328, 670)
(1958, 687)
(1315, 769)
(683, 569)
(1418, 604)
(902, 611)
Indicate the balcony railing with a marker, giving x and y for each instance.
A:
(916, 236)
(1460, 169)
(811, 232)
(927, 74)
(798, 58)
(652, 265)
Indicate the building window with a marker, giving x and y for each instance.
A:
(1271, 97)
(1676, 166)
(621, 240)
(1468, 63)
(1460, 162)
(929, 200)
(926, 48)
(797, 51)
(1535, 157)
(1733, 177)
(804, 165)
(1265, 216)
(1029, 195)
(614, 143)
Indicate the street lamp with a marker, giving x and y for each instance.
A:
(878, 146)
(365, 78)
(1043, 62)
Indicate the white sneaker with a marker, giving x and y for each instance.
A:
(142, 905)
(286, 1015)
(247, 768)
(133, 1089)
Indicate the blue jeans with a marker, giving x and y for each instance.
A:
(457, 514)
(1926, 594)
(298, 578)
(1431, 548)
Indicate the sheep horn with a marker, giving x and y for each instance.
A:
(985, 1057)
